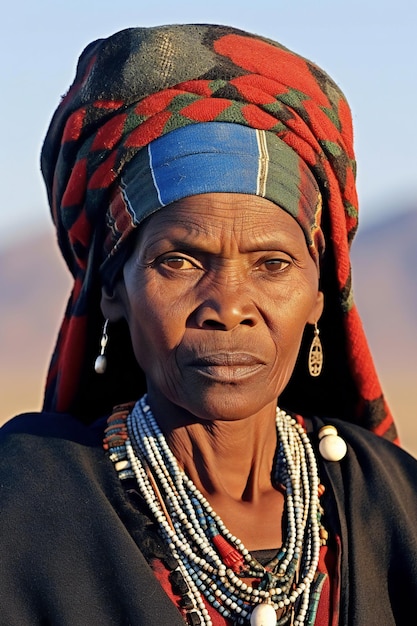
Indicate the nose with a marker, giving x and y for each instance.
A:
(225, 309)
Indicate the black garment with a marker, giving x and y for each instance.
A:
(70, 537)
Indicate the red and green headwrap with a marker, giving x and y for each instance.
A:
(143, 84)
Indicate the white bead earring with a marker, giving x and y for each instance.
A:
(100, 364)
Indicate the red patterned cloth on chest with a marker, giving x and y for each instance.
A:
(328, 607)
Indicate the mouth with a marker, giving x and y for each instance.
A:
(227, 366)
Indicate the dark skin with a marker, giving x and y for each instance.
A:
(217, 293)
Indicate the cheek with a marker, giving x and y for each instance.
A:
(156, 328)
(288, 316)
(289, 309)
(287, 340)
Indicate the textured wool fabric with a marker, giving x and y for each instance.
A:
(142, 83)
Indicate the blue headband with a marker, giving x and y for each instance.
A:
(216, 157)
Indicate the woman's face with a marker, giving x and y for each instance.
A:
(216, 294)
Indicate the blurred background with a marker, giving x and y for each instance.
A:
(369, 47)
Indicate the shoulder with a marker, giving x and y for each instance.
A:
(363, 443)
(42, 433)
(54, 425)
(373, 469)
(370, 501)
(54, 469)
(39, 449)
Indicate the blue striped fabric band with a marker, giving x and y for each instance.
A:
(220, 157)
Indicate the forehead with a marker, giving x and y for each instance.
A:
(217, 214)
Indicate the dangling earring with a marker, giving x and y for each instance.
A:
(100, 364)
(315, 356)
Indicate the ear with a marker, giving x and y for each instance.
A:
(317, 309)
(113, 303)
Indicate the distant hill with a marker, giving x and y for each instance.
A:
(35, 285)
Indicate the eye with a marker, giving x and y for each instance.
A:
(178, 263)
(276, 265)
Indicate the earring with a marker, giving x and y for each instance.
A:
(100, 364)
(315, 356)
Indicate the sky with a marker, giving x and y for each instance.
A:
(369, 47)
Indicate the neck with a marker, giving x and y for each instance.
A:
(230, 462)
(223, 458)
(228, 458)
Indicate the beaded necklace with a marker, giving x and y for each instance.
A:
(213, 562)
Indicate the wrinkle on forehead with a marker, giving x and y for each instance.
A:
(250, 221)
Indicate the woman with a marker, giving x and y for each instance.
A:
(201, 180)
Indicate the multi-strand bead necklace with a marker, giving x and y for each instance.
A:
(215, 564)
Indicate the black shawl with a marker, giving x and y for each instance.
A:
(72, 543)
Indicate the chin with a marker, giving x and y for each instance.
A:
(229, 405)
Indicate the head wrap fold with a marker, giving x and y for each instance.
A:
(141, 84)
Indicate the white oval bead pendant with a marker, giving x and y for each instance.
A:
(100, 364)
(331, 446)
(263, 615)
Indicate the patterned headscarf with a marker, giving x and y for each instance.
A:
(132, 89)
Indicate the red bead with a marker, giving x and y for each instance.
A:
(229, 555)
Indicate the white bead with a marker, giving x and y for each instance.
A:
(332, 448)
(263, 615)
(121, 465)
(327, 430)
(100, 364)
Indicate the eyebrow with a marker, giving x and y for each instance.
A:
(200, 243)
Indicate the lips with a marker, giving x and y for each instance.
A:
(227, 366)
(227, 358)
